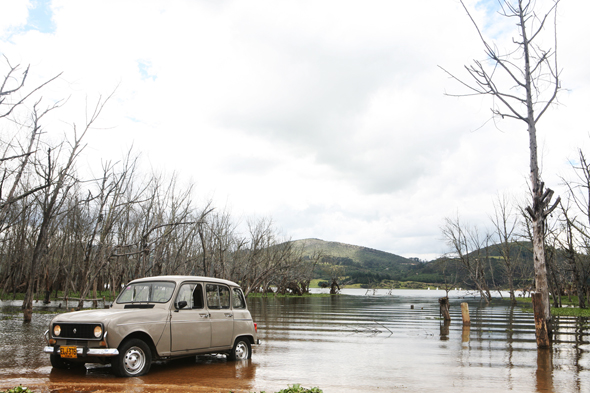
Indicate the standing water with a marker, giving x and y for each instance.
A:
(355, 342)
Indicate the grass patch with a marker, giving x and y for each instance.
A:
(570, 312)
(315, 283)
(565, 300)
(351, 286)
(564, 311)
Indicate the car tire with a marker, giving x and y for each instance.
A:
(134, 359)
(242, 349)
(61, 364)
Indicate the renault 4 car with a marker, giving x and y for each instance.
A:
(156, 318)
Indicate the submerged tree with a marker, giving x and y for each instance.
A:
(524, 82)
(468, 247)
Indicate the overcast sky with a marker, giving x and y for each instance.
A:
(328, 116)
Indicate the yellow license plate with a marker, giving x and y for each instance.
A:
(68, 352)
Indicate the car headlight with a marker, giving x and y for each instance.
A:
(97, 331)
(56, 330)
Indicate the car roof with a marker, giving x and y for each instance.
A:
(179, 279)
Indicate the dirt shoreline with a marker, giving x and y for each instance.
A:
(75, 387)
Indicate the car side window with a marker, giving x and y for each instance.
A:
(224, 296)
(212, 296)
(217, 296)
(238, 297)
(185, 293)
(198, 297)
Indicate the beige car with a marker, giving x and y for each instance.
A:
(156, 318)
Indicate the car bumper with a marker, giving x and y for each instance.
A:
(83, 351)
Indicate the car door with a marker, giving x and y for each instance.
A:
(190, 326)
(221, 316)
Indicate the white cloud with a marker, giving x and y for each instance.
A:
(329, 116)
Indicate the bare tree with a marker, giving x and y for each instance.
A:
(468, 245)
(16, 155)
(533, 83)
(505, 224)
(58, 180)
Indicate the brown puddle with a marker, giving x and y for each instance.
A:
(342, 344)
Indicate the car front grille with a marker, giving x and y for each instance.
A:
(78, 343)
(77, 331)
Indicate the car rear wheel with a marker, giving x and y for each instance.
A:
(134, 359)
(242, 349)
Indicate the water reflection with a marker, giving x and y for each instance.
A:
(465, 334)
(350, 344)
(544, 371)
(444, 330)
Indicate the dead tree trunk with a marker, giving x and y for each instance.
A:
(444, 308)
(533, 84)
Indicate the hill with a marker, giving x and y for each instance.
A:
(368, 257)
(362, 264)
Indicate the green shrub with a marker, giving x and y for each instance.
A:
(299, 389)
(18, 389)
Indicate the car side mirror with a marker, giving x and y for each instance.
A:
(181, 304)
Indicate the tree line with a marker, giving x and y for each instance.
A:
(60, 231)
(500, 255)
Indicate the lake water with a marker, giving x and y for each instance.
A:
(358, 341)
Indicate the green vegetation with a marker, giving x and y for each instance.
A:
(569, 311)
(362, 267)
(565, 300)
(18, 389)
(297, 388)
(315, 283)
(565, 311)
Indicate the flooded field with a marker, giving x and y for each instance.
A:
(355, 342)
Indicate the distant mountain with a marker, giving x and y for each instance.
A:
(368, 266)
(356, 256)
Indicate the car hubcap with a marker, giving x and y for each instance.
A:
(134, 360)
(241, 351)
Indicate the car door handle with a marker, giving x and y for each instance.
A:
(204, 315)
(229, 315)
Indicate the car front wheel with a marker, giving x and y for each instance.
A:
(134, 359)
(242, 349)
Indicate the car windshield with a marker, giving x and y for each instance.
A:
(153, 292)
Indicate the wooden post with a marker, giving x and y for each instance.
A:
(465, 314)
(541, 331)
(444, 308)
